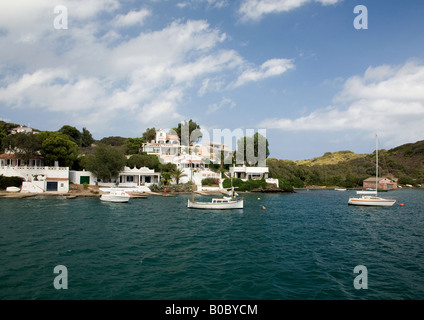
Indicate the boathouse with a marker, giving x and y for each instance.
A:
(384, 183)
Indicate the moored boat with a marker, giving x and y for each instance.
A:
(216, 203)
(372, 200)
(115, 196)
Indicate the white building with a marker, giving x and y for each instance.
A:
(37, 177)
(166, 146)
(195, 169)
(21, 129)
(127, 178)
(252, 173)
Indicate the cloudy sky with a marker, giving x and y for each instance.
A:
(299, 69)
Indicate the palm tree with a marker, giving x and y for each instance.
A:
(178, 174)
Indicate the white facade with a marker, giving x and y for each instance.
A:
(249, 173)
(127, 178)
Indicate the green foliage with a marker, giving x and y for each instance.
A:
(252, 149)
(113, 141)
(245, 185)
(177, 174)
(167, 167)
(72, 132)
(149, 135)
(25, 145)
(143, 160)
(86, 138)
(133, 145)
(285, 185)
(58, 147)
(10, 182)
(106, 162)
(193, 131)
(210, 182)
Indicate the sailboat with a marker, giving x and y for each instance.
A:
(372, 199)
(218, 203)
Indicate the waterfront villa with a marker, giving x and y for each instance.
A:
(128, 177)
(37, 177)
(252, 173)
(165, 146)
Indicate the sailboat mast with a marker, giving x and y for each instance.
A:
(376, 164)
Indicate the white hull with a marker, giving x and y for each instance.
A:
(371, 201)
(219, 206)
(366, 192)
(115, 197)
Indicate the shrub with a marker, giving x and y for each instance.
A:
(210, 182)
(10, 182)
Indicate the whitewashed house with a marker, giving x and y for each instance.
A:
(37, 177)
(252, 173)
(128, 177)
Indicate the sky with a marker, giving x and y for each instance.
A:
(317, 75)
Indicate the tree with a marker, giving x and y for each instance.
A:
(143, 160)
(149, 135)
(59, 147)
(105, 163)
(24, 145)
(72, 133)
(253, 150)
(113, 141)
(133, 145)
(177, 175)
(193, 129)
(86, 138)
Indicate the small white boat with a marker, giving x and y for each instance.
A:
(115, 196)
(340, 189)
(216, 203)
(13, 189)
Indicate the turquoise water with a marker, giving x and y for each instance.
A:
(303, 246)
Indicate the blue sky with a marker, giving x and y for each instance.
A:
(298, 69)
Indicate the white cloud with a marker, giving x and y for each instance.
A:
(225, 102)
(211, 3)
(131, 18)
(388, 100)
(256, 9)
(270, 68)
(92, 75)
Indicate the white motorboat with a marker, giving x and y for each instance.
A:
(216, 203)
(340, 189)
(115, 196)
(372, 200)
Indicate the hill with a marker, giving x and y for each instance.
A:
(348, 169)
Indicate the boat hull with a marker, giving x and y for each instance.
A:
(371, 201)
(115, 198)
(215, 206)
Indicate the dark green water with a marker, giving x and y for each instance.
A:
(303, 246)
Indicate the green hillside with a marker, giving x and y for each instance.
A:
(347, 169)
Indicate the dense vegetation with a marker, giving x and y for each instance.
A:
(347, 169)
(10, 182)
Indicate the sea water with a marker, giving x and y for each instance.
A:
(304, 246)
